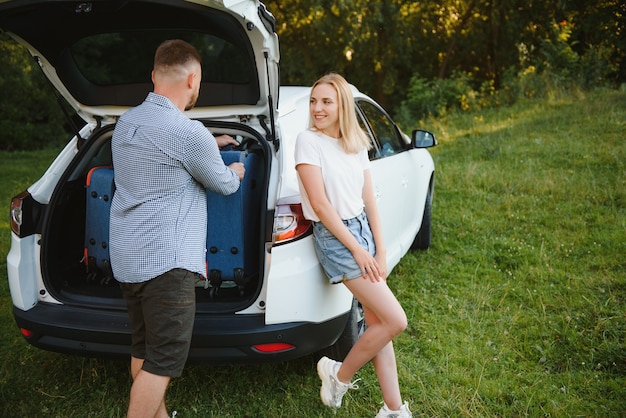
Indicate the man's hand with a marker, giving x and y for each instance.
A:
(239, 169)
(224, 140)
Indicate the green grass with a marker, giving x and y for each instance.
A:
(518, 309)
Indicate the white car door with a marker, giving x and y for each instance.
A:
(394, 181)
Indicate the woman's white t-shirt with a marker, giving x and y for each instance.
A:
(342, 173)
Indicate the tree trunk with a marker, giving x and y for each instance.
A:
(454, 39)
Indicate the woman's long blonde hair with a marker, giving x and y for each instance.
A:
(351, 136)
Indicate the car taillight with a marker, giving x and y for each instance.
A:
(26, 332)
(290, 223)
(25, 213)
(17, 212)
(273, 347)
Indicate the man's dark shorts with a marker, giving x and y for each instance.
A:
(161, 313)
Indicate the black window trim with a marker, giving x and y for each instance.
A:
(370, 130)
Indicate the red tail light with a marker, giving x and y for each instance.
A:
(273, 347)
(289, 222)
(26, 332)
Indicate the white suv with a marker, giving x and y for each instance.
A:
(98, 56)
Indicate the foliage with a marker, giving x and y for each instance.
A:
(558, 69)
(381, 46)
(474, 53)
(437, 96)
(368, 42)
(517, 309)
(29, 116)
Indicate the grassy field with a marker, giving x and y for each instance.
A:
(517, 310)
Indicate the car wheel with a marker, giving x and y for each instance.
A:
(353, 330)
(423, 238)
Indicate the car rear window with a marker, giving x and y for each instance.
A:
(126, 57)
(102, 52)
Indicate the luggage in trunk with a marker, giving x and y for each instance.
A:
(230, 218)
(100, 188)
(230, 257)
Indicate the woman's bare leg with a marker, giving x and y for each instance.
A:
(385, 319)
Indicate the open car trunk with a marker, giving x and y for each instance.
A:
(74, 273)
(99, 56)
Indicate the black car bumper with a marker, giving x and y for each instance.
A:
(217, 338)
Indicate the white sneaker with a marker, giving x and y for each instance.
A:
(332, 389)
(403, 412)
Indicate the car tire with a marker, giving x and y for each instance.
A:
(423, 239)
(355, 327)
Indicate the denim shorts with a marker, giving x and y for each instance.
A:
(336, 260)
(161, 313)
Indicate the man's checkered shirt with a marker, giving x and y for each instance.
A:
(163, 162)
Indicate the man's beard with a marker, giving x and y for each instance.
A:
(192, 102)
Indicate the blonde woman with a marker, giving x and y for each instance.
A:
(337, 195)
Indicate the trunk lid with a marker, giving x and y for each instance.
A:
(99, 54)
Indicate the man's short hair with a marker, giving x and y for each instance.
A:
(175, 53)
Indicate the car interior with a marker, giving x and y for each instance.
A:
(74, 274)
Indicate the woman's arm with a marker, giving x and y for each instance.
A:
(373, 217)
(313, 182)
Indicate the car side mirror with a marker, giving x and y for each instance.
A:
(423, 139)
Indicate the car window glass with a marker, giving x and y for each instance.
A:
(373, 152)
(127, 57)
(383, 128)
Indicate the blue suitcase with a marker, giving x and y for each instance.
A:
(100, 188)
(229, 219)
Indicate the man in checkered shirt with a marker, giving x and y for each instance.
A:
(163, 162)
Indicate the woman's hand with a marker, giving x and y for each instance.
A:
(370, 268)
(381, 258)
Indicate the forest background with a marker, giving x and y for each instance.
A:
(417, 59)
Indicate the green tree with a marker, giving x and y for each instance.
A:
(387, 48)
(380, 46)
(601, 24)
(373, 44)
(30, 118)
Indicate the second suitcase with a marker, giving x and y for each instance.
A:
(229, 219)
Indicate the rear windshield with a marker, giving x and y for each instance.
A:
(103, 51)
(126, 57)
